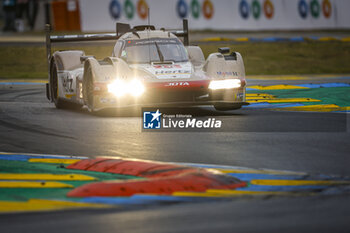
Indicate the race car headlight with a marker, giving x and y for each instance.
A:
(120, 88)
(136, 88)
(117, 87)
(224, 84)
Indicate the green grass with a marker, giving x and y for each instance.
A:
(260, 58)
(293, 58)
(22, 62)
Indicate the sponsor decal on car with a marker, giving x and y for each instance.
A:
(67, 83)
(227, 73)
(152, 41)
(176, 84)
(167, 66)
(165, 72)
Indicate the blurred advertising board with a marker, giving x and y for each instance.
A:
(252, 15)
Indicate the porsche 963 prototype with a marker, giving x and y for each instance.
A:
(147, 67)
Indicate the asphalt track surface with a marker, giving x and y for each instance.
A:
(308, 142)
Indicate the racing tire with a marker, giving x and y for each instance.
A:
(59, 102)
(227, 107)
(88, 89)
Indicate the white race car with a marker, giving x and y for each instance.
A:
(147, 67)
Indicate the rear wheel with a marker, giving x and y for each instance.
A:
(59, 102)
(54, 87)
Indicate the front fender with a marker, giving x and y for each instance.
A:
(99, 74)
(219, 66)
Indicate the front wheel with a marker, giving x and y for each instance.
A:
(88, 90)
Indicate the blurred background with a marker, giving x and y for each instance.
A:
(228, 15)
(274, 36)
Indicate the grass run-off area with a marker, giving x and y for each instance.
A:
(260, 58)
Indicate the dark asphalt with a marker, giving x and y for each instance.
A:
(308, 142)
(302, 214)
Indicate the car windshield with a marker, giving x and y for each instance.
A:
(154, 50)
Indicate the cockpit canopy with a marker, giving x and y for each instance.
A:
(152, 50)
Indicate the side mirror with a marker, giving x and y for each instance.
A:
(224, 50)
